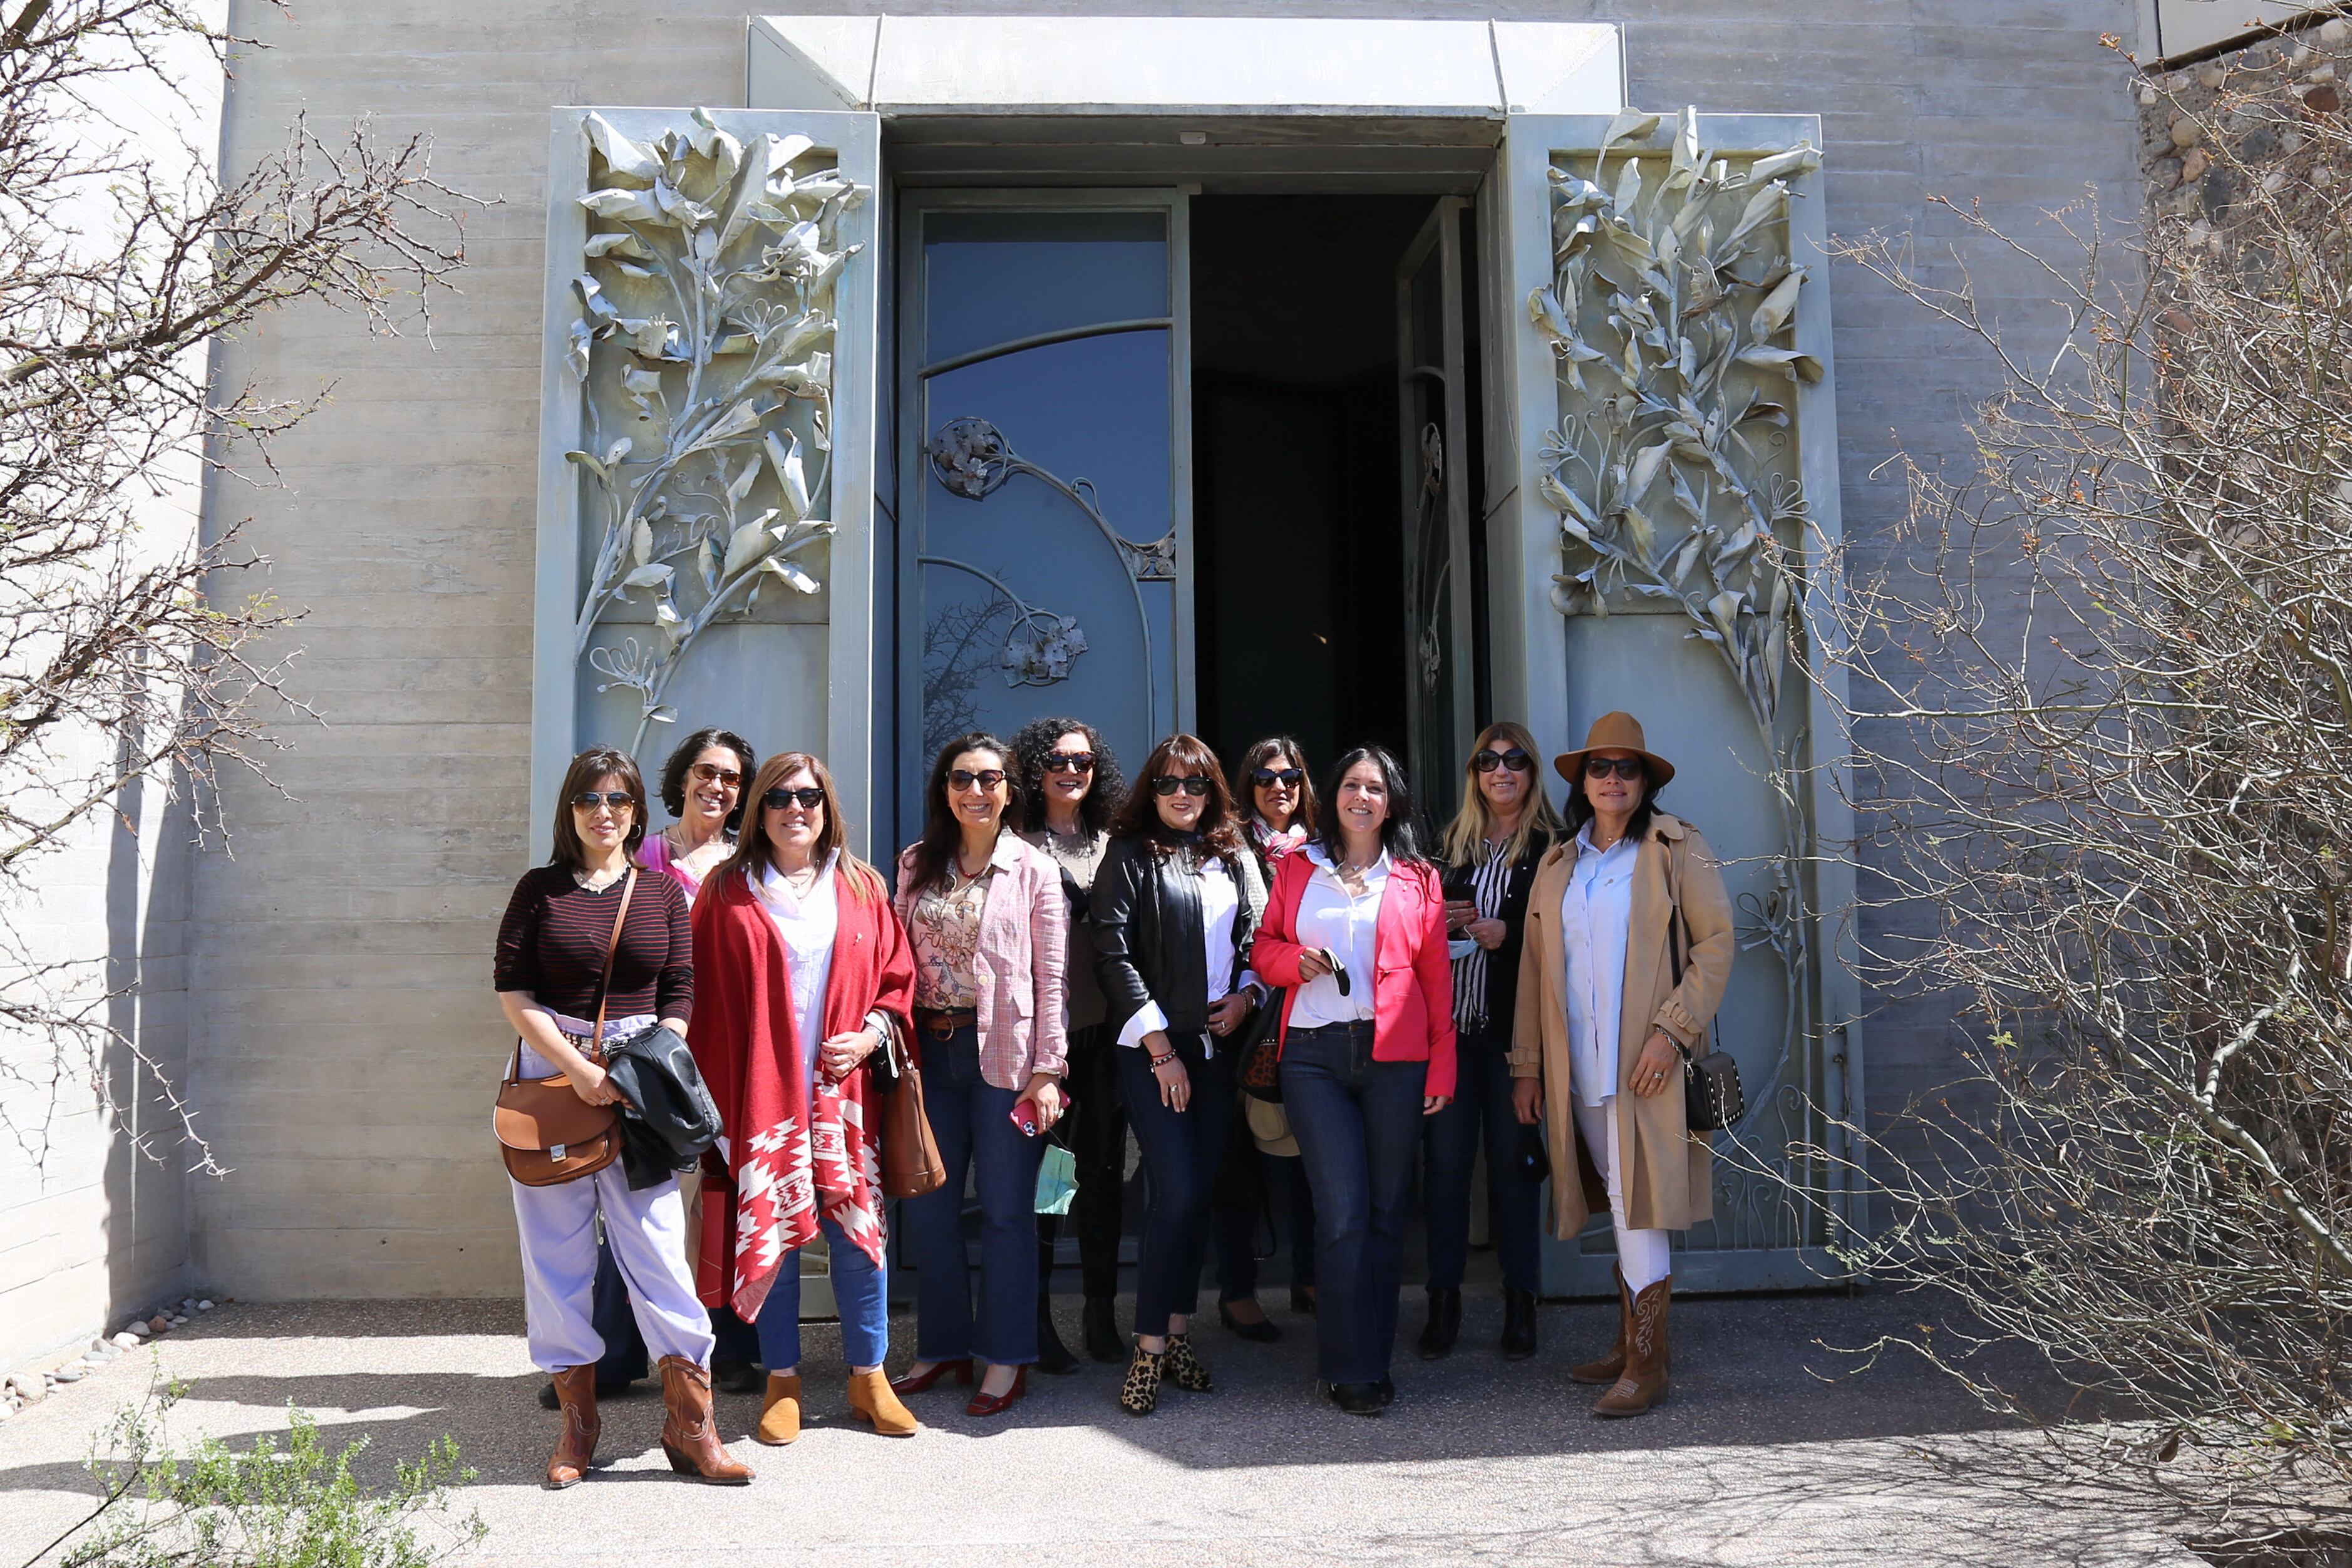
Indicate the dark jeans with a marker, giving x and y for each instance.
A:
(972, 1119)
(1098, 1143)
(1281, 1195)
(1182, 1150)
(1481, 1102)
(624, 1346)
(1358, 1122)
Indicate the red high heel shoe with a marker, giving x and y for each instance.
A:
(915, 1383)
(998, 1404)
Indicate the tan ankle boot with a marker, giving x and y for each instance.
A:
(780, 1413)
(689, 1436)
(1609, 1368)
(1643, 1383)
(870, 1396)
(575, 1392)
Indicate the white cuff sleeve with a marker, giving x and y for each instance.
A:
(723, 1155)
(1147, 1018)
(1249, 978)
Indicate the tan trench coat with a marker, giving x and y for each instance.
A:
(1668, 1173)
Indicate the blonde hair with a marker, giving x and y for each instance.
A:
(1460, 841)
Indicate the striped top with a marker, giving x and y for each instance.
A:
(1490, 886)
(552, 944)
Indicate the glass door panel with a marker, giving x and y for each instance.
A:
(1434, 449)
(1046, 510)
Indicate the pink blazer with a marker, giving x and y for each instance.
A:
(1020, 992)
(1412, 988)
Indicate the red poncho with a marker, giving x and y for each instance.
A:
(790, 1150)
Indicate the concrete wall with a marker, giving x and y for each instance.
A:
(346, 1031)
(91, 1226)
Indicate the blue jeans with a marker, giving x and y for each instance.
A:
(1358, 1122)
(1182, 1150)
(1482, 1100)
(972, 1119)
(859, 1294)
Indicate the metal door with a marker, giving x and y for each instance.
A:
(1045, 471)
(1437, 511)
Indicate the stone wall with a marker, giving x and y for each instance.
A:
(346, 1026)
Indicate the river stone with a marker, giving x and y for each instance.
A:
(127, 1340)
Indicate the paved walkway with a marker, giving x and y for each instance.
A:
(1772, 1450)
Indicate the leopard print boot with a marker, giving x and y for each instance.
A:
(1184, 1368)
(1139, 1394)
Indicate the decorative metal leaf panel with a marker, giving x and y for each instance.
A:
(1677, 478)
(704, 349)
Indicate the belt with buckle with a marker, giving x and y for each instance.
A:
(941, 1023)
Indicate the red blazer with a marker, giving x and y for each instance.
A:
(1412, 988)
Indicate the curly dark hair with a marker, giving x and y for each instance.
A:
(1220, 829)
(673, 773)
(1036, 741)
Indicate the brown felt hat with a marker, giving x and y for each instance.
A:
(1614, 732)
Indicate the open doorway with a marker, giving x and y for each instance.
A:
(1299, 528)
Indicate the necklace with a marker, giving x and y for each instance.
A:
(599, 881)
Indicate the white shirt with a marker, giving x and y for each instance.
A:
(1221, 905)
(1595, 914)
(808, 925)
(1329, 916)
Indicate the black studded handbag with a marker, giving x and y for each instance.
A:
(1712, 1098)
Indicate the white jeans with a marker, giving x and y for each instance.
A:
(646, 1231)
(1643, 1256)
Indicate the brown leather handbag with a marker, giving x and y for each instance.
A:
(548, 1135)
(911, 1165)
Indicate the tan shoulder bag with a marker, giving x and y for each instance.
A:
(548, 1135)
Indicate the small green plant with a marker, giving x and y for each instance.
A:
(294, 1504)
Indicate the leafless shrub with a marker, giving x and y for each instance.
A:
(122, 658)
(2109, 729)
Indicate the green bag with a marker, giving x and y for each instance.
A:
(1057, 1180)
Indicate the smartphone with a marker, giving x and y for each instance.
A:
(1024, 1117)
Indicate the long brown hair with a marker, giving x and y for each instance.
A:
(1460, 841)
(752, 855)
(942, 832)
(1263, 754)
(596, 763)
(1139, 817)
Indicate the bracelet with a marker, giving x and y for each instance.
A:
(1159, 1062)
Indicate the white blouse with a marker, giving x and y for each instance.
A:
(807, 925)
(1329, 916)
(1221, 905)
(1595, 914)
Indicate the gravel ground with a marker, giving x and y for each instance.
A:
(1774, 1448)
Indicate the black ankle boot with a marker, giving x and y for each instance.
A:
(1519, 1325)
(1103, 1343)
(1053, 1356)
(1445, 1323)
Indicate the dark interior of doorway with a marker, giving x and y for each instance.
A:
(1297, 499)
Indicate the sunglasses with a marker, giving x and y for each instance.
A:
(1070, 763)
(1627, 768)
(1266, 778)
(987, 778)
(710, 773)
(809, 798)
(1192, 785)
(618, 799)
(1487, 760)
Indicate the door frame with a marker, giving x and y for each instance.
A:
(908, 203)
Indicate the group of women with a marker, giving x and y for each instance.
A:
(1058, 945)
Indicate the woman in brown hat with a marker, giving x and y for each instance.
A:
(1628, 948)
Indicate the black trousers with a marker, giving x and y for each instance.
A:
(1098, 1143)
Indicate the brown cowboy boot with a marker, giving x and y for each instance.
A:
(1643, 1383)
(575, 1393)
(689, 1436)
(1609, 1368)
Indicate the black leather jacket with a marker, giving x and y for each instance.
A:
(1147, 935)
(668, 1118)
